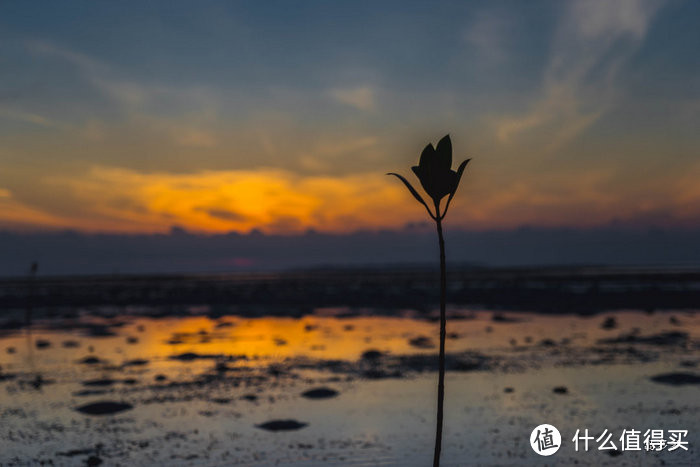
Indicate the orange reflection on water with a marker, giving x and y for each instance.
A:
(267, 340)
(279, 338)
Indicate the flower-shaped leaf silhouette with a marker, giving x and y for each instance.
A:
(434, 170)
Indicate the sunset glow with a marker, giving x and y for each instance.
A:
(575, 114)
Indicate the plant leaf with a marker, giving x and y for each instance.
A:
(460, 170)
(443, 154)
(413, 192)
(426, 157)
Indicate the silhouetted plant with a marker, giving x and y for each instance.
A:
(434, 170)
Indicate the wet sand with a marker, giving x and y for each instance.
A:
(340, 387)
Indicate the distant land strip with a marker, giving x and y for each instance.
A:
(556, 290)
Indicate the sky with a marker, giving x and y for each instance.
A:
(283, 117)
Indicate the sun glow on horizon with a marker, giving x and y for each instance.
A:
(268, 200)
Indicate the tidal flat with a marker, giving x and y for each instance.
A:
(341, 386)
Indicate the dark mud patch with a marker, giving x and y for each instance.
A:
(191, 356)
(609, 323)
(282, 425)
(221, 400)
(471, 361)
(378, 373)
(101, 382)
(320, 393)
(90, 360)
(97, 330)
(75, 452)
(503, 318)
(676, 379)
(372, 354)
(36, 383)
(136, 362)
(663, 339)
(42, 344)
(91, 392)
(422, 342)
(104, 408)
(6, 376)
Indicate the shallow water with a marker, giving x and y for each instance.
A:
(199, 387)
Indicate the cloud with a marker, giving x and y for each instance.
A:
(270, 200)
(28, 117)
(361, 97)
(15, 214)
(593, 41)
(134, 99)
(487, 34)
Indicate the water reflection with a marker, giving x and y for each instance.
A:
(180, 382)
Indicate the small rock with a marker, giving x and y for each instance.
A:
(676, 379)
(560, 390)
(320, 393)
(609, 323)
(42, 344)
(90, 360)
(104, 408)
(282, 425)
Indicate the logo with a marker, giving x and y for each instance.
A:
(545, 440)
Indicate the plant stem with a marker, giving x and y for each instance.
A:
(443, 322)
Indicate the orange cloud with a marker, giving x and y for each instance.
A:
(108, 199)
(273, 201)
